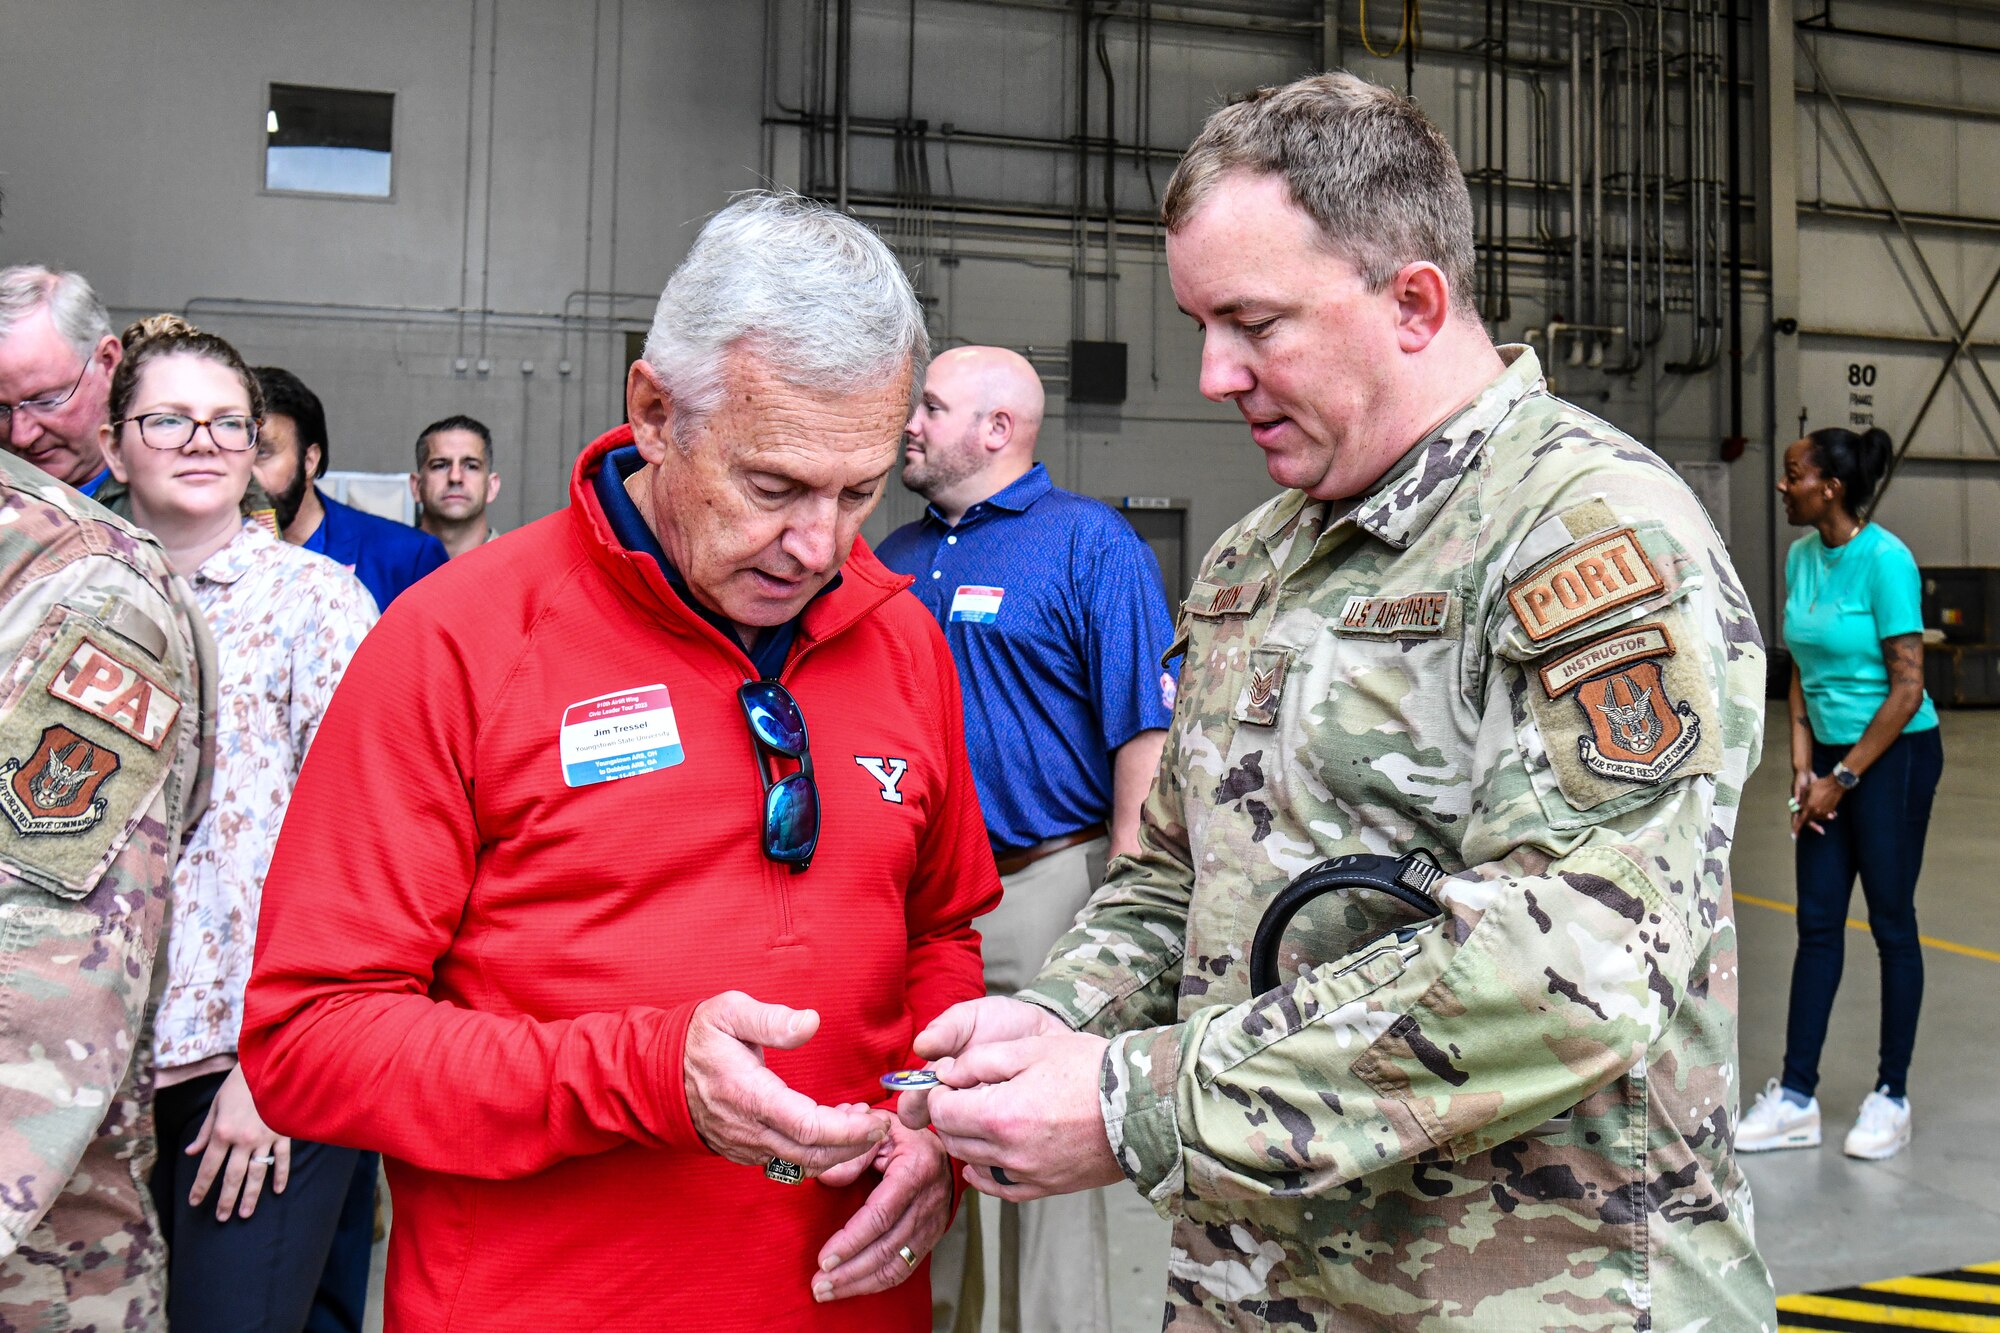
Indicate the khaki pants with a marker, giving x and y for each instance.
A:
(1059, 1245)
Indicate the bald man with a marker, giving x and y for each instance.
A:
(1054, 610)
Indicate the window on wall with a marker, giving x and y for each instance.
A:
(328, 141)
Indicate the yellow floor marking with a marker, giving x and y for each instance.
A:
(1948, 946)
(1981, 1268)
(1939, 1287)
(1891, 1316)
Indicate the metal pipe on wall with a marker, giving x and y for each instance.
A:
(1110, 188)
(843, 77)
(1734, 443)
(1596, 353)
(1576, 304)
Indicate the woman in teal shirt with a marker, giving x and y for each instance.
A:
(1865, 764)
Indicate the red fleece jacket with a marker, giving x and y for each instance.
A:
(487, 974)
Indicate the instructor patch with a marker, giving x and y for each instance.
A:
(1581, 583)
(1624, 711)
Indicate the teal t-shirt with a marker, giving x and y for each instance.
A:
(1840, 603)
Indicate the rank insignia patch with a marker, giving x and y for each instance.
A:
(54, 790)
(1264, 690)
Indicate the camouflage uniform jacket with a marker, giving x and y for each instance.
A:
(1525, 651)
(104, 733)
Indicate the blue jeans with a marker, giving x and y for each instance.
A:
(1879, 834)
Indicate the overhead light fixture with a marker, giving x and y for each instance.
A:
(271, 121)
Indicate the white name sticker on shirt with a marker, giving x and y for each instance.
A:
(619, 736)
(981, 606)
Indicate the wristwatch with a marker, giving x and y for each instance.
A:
(1845, 776)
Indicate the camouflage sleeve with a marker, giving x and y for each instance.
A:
(101, 768)
(1119, 967)
(1579, 924)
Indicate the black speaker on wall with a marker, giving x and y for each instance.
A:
(1096, 372)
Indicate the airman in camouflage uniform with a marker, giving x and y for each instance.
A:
(1523, 1118)
(1508, 637)
(105, 741)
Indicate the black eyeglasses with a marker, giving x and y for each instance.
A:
(47, 403)
(175, 430)
(791, 804)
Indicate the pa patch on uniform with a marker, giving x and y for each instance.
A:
(1622, 712)
(83, 750)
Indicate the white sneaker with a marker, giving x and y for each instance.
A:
(1882, 1130)
(1775, 1122)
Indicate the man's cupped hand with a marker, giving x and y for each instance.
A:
(746, 1113)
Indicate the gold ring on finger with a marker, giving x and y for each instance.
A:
(907, 1255)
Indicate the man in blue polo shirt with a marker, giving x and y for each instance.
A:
(291, 454)
(1054, 611)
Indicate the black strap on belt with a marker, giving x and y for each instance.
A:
(1408, 879)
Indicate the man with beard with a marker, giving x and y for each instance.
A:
(454, 482)
(1054, 611)
(291, 454)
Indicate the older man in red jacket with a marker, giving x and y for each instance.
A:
(590, 789)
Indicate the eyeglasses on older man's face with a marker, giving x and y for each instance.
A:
(42, 406)
(233, 434)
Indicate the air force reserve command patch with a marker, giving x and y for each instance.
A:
(55, 789)
(1623, 711)
(83, 749)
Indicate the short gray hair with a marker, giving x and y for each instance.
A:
(809, 289)
(1361, 160)
(73, 307)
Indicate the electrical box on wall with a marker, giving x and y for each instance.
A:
(1096, 372)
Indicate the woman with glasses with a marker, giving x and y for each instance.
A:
(247, 1213)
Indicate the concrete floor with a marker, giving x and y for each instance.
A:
(1822, 1219)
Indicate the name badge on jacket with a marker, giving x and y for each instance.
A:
(619, 735)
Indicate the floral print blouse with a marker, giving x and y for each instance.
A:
(286, 623)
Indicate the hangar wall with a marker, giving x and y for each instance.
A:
(553, 156)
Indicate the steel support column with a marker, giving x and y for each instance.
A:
(1780, 221)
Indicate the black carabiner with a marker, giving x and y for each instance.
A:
(1408, 879)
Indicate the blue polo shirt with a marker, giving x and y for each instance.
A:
(385, 555)
(1054, 611)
